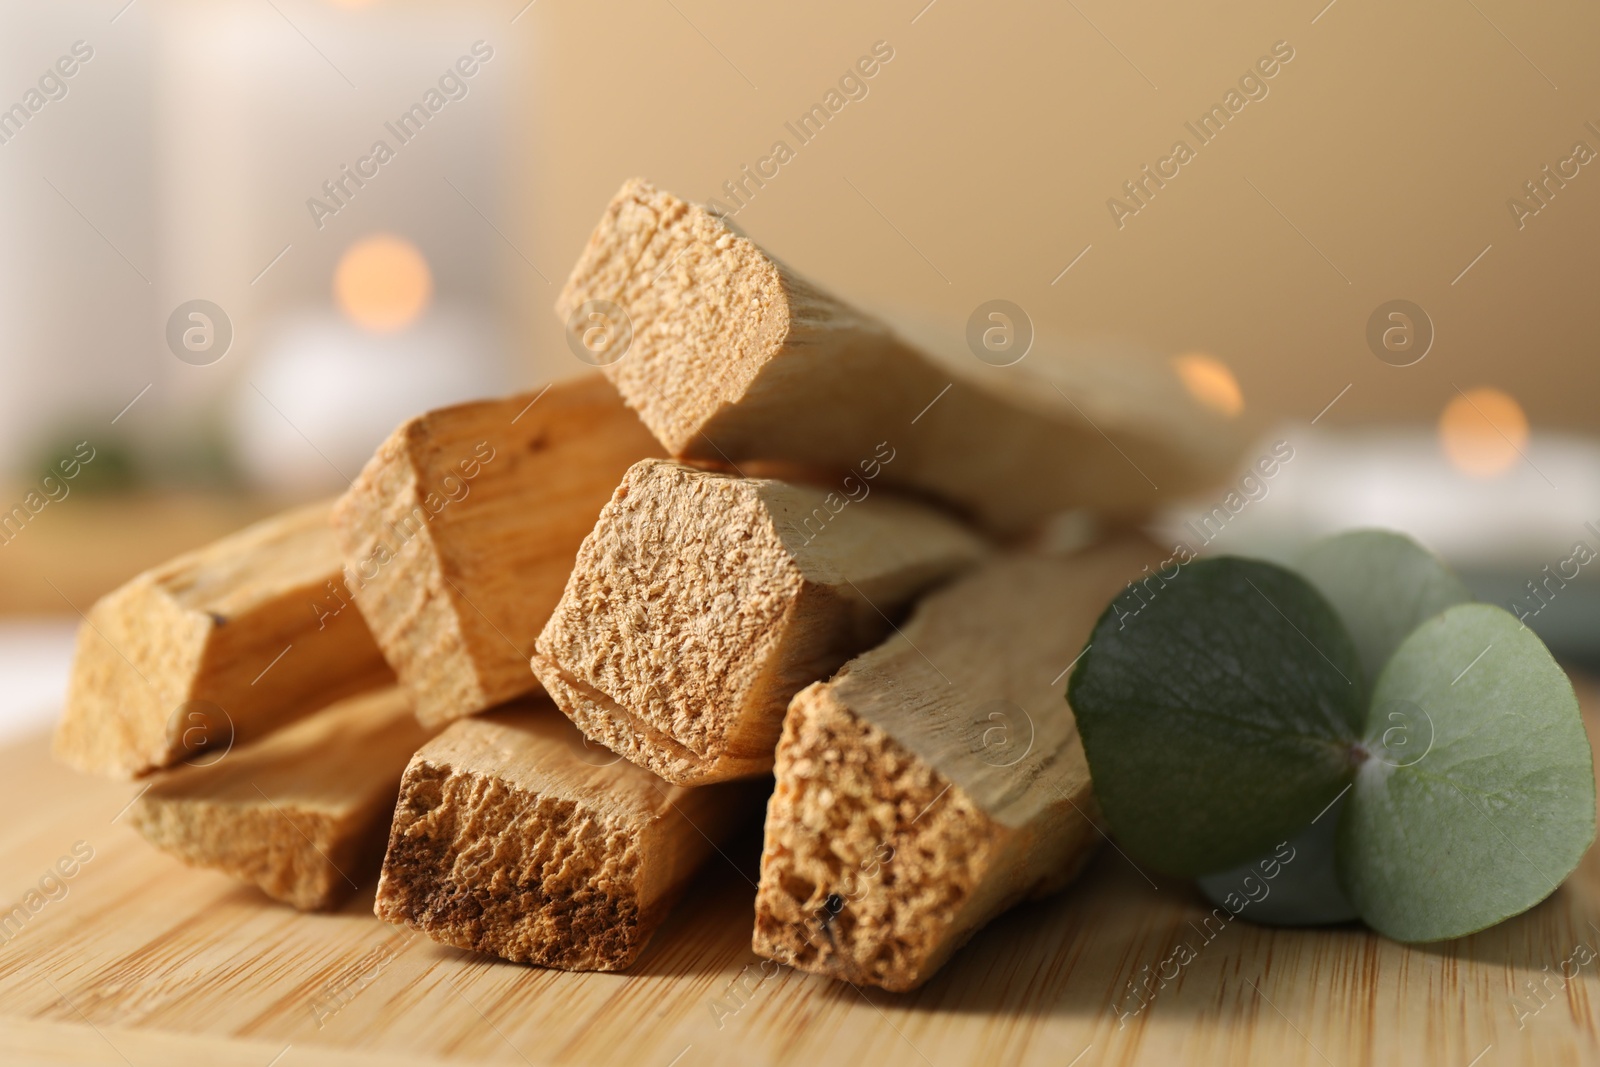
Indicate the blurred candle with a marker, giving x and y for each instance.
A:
(323, 392)
(266, 114)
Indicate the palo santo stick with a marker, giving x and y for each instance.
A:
(303, 813)
(702, 602)
(938, 779)
(735, 357)
(223, 642)
(514, 836)
(459, 534)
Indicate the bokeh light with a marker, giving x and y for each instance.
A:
(383, 283)
(1211, 382)
(1483, 431)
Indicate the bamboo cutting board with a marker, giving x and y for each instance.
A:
(145, 962)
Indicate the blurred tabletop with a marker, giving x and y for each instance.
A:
(71, 553)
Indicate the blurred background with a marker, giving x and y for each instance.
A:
(241, 241)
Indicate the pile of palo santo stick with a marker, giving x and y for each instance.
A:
(549, 650)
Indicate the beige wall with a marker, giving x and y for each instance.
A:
(994, 137)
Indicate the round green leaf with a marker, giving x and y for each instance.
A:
(1218, 709)
(1296, 884)
(1478, 797)
(1383, 585)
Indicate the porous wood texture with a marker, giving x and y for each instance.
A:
(514, 836)
(938, 779)
(460, 532)
(223, 642)
(734, 356)
(701, 603)
(138, 959)
(303, 813)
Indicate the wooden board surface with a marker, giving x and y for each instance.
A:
(146, 962)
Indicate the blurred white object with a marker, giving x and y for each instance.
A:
(323, 393)
(77, 253)
(222, 124)
(237, 226)
(1518, 538)
(35, 657)
(1400, 480)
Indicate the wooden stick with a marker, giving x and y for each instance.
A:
(459, 534)
(938, 779)
(702, 602)
(514, 836)
(303, 813)
(733, 357)
(222, 643)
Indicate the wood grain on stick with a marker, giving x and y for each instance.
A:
(303, 813)
(702, 602)
(459, 534)
(223, 642)
(515, 836)
(734, 356)
(938, 779)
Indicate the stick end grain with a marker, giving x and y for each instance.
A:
(436, 879)
(303, 813)
(136, 655)
(305, 859)
(395, 575)
(512, 838)
(698, 608)
(707, 309)
(871, 858)
(678, 601)
(185, 655)
(459, 533)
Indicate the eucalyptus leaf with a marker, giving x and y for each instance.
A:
(1383, 585)
(1217, 709)
(1296, 885)
(1492, 813)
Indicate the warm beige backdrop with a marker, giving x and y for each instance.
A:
(994, 137)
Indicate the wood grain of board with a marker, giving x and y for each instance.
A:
(146, 962)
